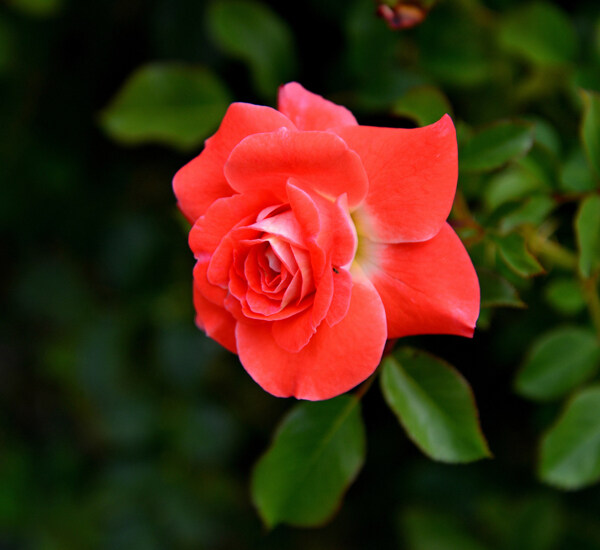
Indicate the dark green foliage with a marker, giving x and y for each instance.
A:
(317, 452)
(435, 405)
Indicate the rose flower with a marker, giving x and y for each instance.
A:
(317, 239)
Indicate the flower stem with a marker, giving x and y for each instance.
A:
(551, 251)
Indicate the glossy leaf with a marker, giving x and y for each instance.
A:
(540, 33)
(317, 452)
(435, 405)
(250, 31)
(495, 145)
(570, 450)
(497, 291)
(423, 104)
(590, 128)
(516, 256)
(587, 228)
(173, 104)
(558, 362)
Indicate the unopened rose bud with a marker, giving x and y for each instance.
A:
(403, 15)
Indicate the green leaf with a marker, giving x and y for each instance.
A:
(587, 228)
(539, 33)
(565, 296)
(425, 530)
(558, 362)
(497, 291)
(533, 211)
(590, 128)
(545, 134)
(495, 145)
(542, 164)
(250, 31)
(516, 256)
(172, 104)
(570, 450)
(435, 405)
(317, 452)
(423, 104)
(513, 183)
(576, 174)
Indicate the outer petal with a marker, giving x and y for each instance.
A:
(212, 293)
(335, 360)
(201, 181)
(318, 161)
(426, 288)
(215, 321)
(412, 179)
(310, 111)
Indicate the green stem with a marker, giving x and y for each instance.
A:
(551, 251)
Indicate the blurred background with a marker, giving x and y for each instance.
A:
(122, 425)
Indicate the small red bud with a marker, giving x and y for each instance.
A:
(402, 15)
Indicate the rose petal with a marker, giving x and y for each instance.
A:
(284, 253)
(201, 181)
(426, 288)
(412, 179)
(335, 360)
(242, 312)
(212, 293)
(283, 225)
(293, 291)
(310, 111)
(221, 260)
(261, 305)
(318, 161)
(305, 210)
(252, 268)
(215, 321)
(327, 224)
(342, 292)
(305, 269)
(323, 297)
(222, 216)
(293, 333)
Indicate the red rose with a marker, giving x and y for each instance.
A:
(316, 239)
